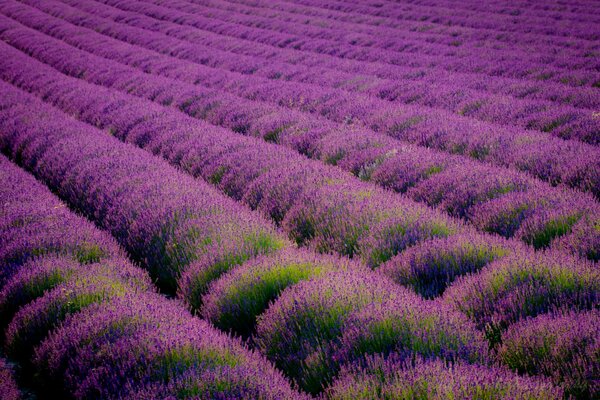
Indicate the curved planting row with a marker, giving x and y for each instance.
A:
(510, 204)
(324, 321)
(94, 327)
(563, 121)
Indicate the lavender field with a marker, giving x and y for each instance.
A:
(299, 199)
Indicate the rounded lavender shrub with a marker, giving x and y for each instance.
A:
(276, 191)
(95, 284)
(505, 214)
(223, 383)
(235, 300)
(8, 387)
(399, 378)
(98, 325)
(42, 274)
(404, 170)
(564, 346)
(547, 224)
(362, 220)
(155, 353)
(429, 267)
(584, 239)
(456, 191)
(409, 324)
(521, 285)
(225, 252)
(31, 281)
(301, 328)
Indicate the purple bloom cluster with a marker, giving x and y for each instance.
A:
(239, 296)
(432, 266)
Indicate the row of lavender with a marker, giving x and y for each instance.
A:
(561, 119)
(510, 204)
(83, 322)
(317, 325)
(551, 159)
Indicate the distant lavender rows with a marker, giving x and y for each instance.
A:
(548, 158)
(540, 90)
(405, 43)
(511, 205)
(370, 30)
(470, 63)
(71, 302)
(460, 17)
(431, 27)
(563, 121)
(345, 298)
(449, 93)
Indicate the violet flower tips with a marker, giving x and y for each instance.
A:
(236, 299)
(564, 347)
(396, 377)
(300, 330)
(524, 285)
(431, 266)
(8, 386)
(408, 324)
